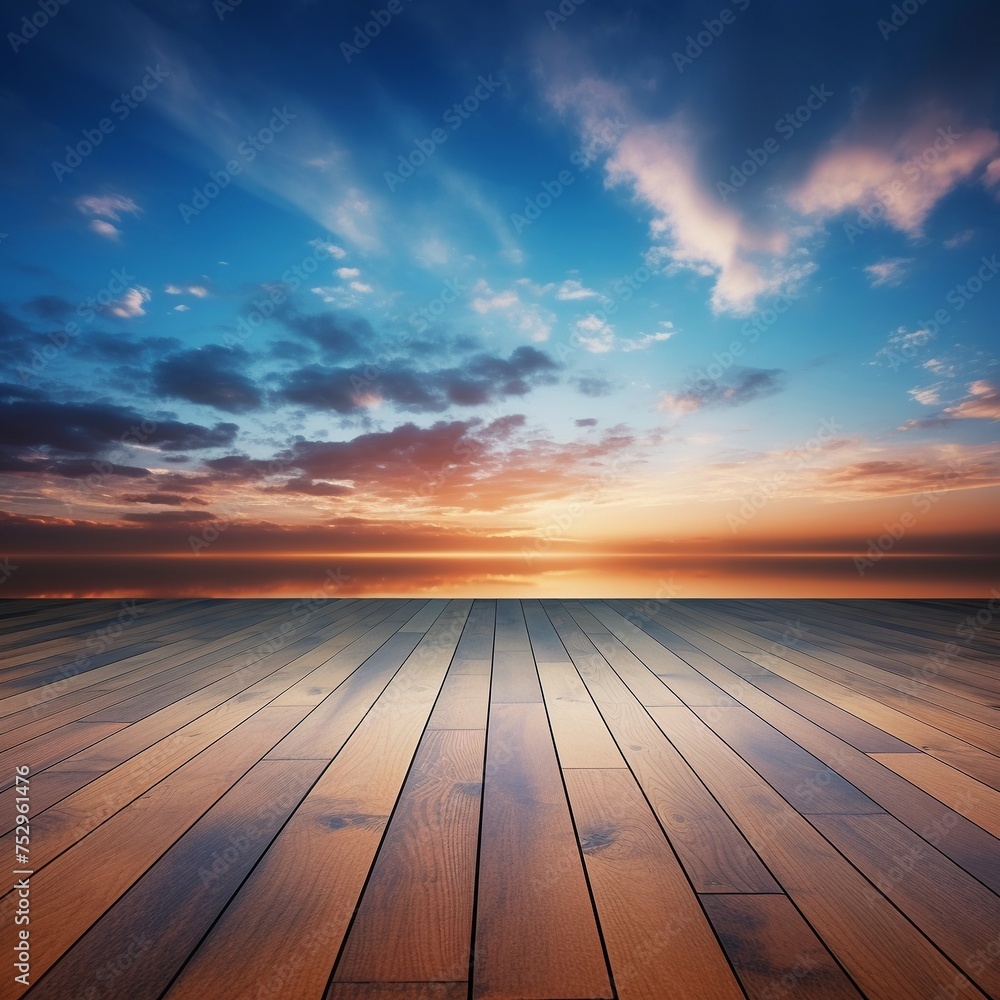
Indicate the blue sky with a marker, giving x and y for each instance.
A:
(474, 277)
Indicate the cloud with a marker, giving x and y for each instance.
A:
(586, 422)
(595, 334)
(163, 499)
(198, 291)
(959, 239)
(130, 304)
(901, 345)
(182, 308)
(338, 335)
(645, 340)
(903, 173)
(593, 386)
(736, 388)
(571, 290)
(170, 517)
(692, 227)
(39, 435)
(50, 307)
(105, 229)
(527, 319)
(348, 272)
(984, 404)
(361, 286)
(891, 271)
(493, 300)
(926, 397)
(481, 379)
(939, 367)
(108, 206)
(338, 253)
(209, 375)
(935, 470)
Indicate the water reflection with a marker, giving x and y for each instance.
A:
(493, 575)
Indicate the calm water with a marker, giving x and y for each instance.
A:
(500, 576)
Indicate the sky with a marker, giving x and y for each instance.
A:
(509, 300)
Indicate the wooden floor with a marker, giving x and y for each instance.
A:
(503, 799)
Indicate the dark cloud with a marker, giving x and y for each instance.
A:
(80, 468)
(166, 499)
(592, 386)
(170, 517)
(53, 308)
(483, 379)
(586, 422)
(211, 375)
(38, 435)
(734, 388)
(391, 454)
(307, 487)
(122, 348)
(337, 335)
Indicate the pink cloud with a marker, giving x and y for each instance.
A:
(902, 177)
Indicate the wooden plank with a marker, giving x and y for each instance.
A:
(326, 728)
(398, 991)
(49, 748)
(808, 784)
(582, 739)
(424, 617)
(47, 788)
(965, 795)
(658, 940)
(545, 643)
(961, 840)
(463, 702)
(939, 743)
(419, 898)
(289, 920)
(149, 933)
(476, 643)
(536, 933)
(71, 892)
(715, 855)
(882, 951)
(956, 912)
(511, 632)
(775, 952)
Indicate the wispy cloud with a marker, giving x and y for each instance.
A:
(892, 271)
(645, 340)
